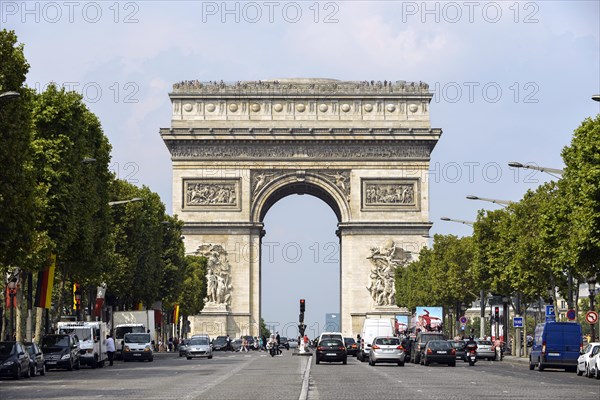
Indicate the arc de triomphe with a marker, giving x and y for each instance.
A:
(361, 147)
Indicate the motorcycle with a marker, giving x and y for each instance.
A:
(471, 356)
(273, 349)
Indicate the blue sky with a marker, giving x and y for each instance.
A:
(512, 81)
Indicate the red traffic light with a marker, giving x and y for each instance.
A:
(497, 312)
(302, 305)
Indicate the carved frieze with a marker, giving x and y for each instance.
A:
(390, 194)
(211, 194)
(269, 151)
(300, 86)
(338, 178)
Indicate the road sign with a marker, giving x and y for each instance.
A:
(463, 320)
(591, 317)
(550, 316)
(517, 322)
(571, 315)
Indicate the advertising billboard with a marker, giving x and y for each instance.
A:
(429, 319)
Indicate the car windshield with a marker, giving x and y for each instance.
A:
(6, 349)
(82, 333)
(457, 345)
(30, 349)
(199, 342)
(387, 341)
(439, 345)
(349, 341)
(330, 343)
(120, 331)
(137, 338)
(55, 341)
(484, 342)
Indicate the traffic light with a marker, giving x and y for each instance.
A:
(301, 318)
(302, 305)
(76, 296)
(497, 313)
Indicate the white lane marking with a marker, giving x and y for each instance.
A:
(305, 380)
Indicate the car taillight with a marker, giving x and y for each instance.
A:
(453, 352)
(429, 351)
(354, 346)
(321, 348)
(341, 348)
(375, 347)
(399, 348)
(543, 347)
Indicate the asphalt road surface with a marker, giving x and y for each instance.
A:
(256, 375)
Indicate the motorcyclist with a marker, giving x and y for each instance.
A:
(272, 345)
(470, 345)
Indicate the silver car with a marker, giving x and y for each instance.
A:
(485, 349)
(199, 347)
(386, 349)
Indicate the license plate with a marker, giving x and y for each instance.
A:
(554, 354)
(441, 352)
(137, 355)
(51, 362)
(331, 354)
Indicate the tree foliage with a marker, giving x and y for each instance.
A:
(18, 208)
(193, 287)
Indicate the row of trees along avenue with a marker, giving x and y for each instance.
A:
(55, 190)
(527, 250)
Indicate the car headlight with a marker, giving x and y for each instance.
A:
(147, 348)
(126, 348)
(66, 357)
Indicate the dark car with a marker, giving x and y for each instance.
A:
(14, 360)
(351, 346)
(61, 351)
(440, 352)
(37, 363)
(284, 343)
(459, 348)
(183, 346)
(331, 350)
(219, 343)
(421, 340)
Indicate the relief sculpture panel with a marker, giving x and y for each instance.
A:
(211, 194)
(380, 194)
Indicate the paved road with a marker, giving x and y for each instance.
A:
(258, 376)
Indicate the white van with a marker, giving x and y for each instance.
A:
(373, 327)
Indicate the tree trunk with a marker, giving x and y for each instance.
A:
(39, 324)
(19, 313)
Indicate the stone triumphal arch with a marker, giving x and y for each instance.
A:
(362, 147)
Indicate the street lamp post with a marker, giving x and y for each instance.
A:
(550, 171)
(470, 223)
(503, 203)
(9, 95)
(592, 290)
(114, 203)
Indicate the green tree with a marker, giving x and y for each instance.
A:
(175, 268)
(18, 208)
(581, 183)
(193, 290)
(264, 330)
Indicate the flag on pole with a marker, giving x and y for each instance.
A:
(45, 283)
(176, 314)
(101, 291)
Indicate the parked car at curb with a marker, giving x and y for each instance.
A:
(37, 363)
(387, 350)
(61, 351)
(14, 360)
(440, 352)
(331, 350)
(584, 360)
(595, 363)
